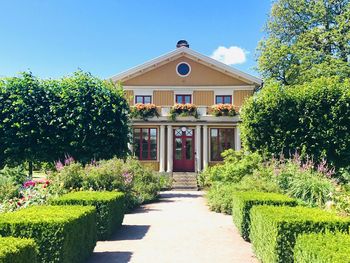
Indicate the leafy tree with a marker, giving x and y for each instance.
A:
(312, 118)
(45, 120)
(306, 39)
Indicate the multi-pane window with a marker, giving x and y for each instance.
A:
(223, 99)
(220, 140)
(143, 99)
(183, 99)
(145, 143)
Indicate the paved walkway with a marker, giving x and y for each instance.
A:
(179, 228)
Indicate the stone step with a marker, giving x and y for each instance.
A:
(191, 188)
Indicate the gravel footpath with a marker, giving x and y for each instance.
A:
(179, 228)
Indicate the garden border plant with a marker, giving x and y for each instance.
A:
(18, 250)
(274, 229)
(110, 208)
(320, 248)
(62, 233)
(243, 202)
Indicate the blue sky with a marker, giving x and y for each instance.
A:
(53, 38)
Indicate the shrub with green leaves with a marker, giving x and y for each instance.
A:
(220, 194)
(17, 250)
(322, 248)
(274, 230)
(242, 203)
(109, 207)
(311, 118)
(62, 233)
(236, 165)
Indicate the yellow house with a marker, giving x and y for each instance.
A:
(206, 93)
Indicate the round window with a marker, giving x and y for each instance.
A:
(183, 69)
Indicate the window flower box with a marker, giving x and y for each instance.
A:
(144, 111)
(183, 110)
(224, 110)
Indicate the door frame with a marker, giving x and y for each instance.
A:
(192, 161)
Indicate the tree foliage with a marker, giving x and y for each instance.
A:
(312, 118)
(78, 115)
(306, 39)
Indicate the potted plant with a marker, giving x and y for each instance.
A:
(144, 111)
(183, 110)
(224, 110)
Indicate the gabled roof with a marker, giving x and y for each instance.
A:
(187, 52)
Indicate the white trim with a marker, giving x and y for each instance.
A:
(187, 52)
(189, 72)
(142, 92)
(188, 88)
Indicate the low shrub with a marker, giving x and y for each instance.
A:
(242, 202)
(321, 248)
(109, 206)
(274, 230)
(62, 233)
(220, 194)
(17, 250)
(236, 165)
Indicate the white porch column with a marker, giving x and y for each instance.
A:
(237, 139)
(198, 148)
(131, 148)
(162, 149)
(170, 149)
(205, 146)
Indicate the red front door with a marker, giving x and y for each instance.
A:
(183, 150)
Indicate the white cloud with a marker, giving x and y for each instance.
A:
(230, 56)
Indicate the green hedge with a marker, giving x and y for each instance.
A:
(17, 250)
(63, 233)
(109, 207)
(322, 248)
(273, 229)
(242, 202)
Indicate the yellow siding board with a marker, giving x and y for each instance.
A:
(239, 96)
(203, 97)
(163, 97)
(129, 95)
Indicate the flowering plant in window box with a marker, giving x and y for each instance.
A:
(183, 110)
(224, 110)
(144, 111)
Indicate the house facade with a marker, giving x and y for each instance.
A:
(195, 101)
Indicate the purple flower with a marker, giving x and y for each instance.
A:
(69, 159)
(59, 165)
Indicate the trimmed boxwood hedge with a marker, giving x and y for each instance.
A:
(17, 250)
(242, 202)
(322, 248)
(109, 206)
(63, 233)
(274, 229)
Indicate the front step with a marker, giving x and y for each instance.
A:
(184, 181)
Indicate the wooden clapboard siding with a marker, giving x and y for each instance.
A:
(203, 97)
(153, 165)
(239, 96)
(129, 95)
(163, 97)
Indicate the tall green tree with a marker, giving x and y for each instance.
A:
(306, 39)
(45, 120)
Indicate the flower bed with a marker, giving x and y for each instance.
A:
(224, 110)
(17, 250)
(320, 248)
(109, 206)
(274, 230)
(144, 111)
(62, 233)
(242, 202)
(183, 110)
